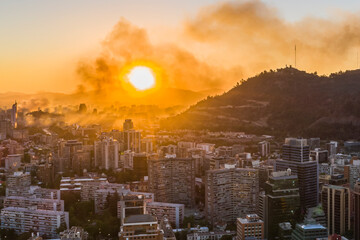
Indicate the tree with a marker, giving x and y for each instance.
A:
(62, 228)
(226, 237)
(24, 236)
(8, 234)
(189, 220)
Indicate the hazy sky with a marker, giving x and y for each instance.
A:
(41, 41)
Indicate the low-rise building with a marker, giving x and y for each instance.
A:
(172, 211)
(74, 233)
(251, 226)
(309, 231)
(144, 227)
(23, 220)
(209, 235)
(39, 203)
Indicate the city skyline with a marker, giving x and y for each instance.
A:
(179, 120)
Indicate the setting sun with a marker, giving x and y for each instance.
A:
(141, 77)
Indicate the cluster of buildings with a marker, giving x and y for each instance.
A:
(28, 208)
(296, 189)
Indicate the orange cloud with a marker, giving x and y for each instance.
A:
(252, 35)
(128, 43)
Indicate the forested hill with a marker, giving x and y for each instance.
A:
(285, 102)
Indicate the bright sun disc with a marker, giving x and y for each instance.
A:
(141, 77)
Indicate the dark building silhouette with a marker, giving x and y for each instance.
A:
(357, 210)
(296, 157)
(282, 201)
(82, 108)
(336, 205)
(128, 125)
(140, 166)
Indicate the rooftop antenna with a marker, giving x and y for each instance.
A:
(295, 55)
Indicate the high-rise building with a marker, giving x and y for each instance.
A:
(106, 153)
(251, 226)
(46, 173)
(314, 143)
(140, 166)
(336, 205)
(127, 160)
(264, 148)
(352, 173)
(132, 140)
(282, 201)
(230, 193)
(82, 108)
(172, 180)
(81, 161)
(320, 156)
(352, 146)
(143, 227)
(309, 231)
(147, 145)
(14, 115)
(18, 184)
(128, 125)
(5, 128)
(296, 157)
(295, 150)
(264, 173)
(356, 227)
(332, 148)
(66, 153)
(261, 205)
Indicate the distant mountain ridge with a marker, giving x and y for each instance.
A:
(285, 102)
(167, 97)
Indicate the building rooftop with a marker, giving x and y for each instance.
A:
(140, 218)
(311, 226)
(165, 204)
(335, 187)
(29, 210)
(250, 218)
(285, 225)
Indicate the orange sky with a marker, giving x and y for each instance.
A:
(199, 46)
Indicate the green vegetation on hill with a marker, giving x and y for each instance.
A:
(286, 102)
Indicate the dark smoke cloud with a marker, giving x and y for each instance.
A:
(221, 45)
(251, 34)
(127, 43)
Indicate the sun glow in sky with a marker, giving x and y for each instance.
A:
(42, 41)
(142, 78)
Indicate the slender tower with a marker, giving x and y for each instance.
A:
(14, 115)
(295, 55)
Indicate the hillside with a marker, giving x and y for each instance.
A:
(286, 102)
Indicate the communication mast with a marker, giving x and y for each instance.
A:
(295, 55)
